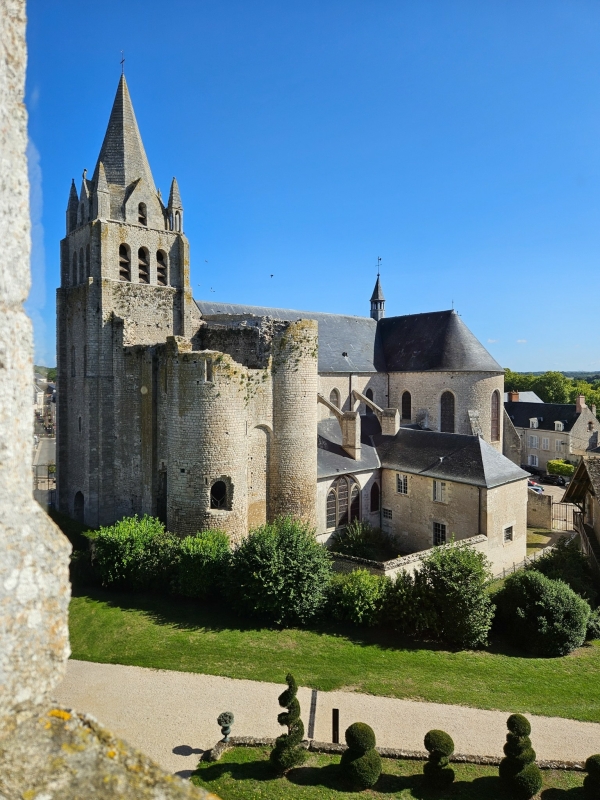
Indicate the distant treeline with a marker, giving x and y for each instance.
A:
(555, 387)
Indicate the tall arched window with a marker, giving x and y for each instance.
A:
(369, 394)
(177, 221)
(81, 267)
(375, 494)
(496, 416)
(218, 495)
(406, 406)
(447, 412)
(124, 263)
(334, 399)
(142, 214)
(87, 262)
(343, 502)
(74, 270)
(143, 266)
(161, 268)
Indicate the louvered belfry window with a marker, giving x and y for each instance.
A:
(161, 268)
(143, 266)
(124, 263)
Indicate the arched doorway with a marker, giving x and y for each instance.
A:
(78, 507)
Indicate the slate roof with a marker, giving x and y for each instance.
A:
(586, 478)
(377, 291)
(437, 341)
(446, 456)
(525, 397)
(546, 413)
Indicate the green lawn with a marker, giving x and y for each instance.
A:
(244, 774)
(152, 631)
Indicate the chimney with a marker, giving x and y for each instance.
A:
(580, 403)
(350, 424)
(513, 397)
(594, 410)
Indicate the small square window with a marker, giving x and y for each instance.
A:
(439, 533)
(439, 491)
(387, 513)
(508, 534)
(402, 484)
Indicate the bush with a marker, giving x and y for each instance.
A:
(287, 752)
(436, 771)
(409, 606)
(361, 540)
(361, 763)
(454, 579)
(591, 782)
(203, 563)
(280, 572)
(542, 615)
(81, 571)
(136, 554)
(593, 626)
(557, 466)
(566, 562)
(357, 597)
(518, 770)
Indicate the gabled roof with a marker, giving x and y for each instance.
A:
(122, 151)
(332, 459)
(438, 340)
(586, 479)
(546, 413)
(525, 397)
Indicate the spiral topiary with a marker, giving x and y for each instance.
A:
(287, 752)
(436, 771)
(591, 782)
(361, 763)
(518, 770)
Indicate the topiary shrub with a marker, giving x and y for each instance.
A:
(202, 564)
(361, 763)
(280, 572)
(287, 752)
(566, 562)
(591, 782)
(436, 771)
(518, 770)
(135, 554)
(542, 615)
(357, 597)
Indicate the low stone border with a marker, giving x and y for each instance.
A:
(386, 752)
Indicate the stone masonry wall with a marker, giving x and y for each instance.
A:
(345, 383)
(506, 506)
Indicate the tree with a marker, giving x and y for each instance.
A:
(552, 387)
(557, 466)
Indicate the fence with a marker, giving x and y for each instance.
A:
(44, 484)
(528, 560)
(563, 516)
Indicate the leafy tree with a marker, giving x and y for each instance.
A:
(566, 562)
(556, 466)
(517, 381)
(203, 563)
(358, 597)
(552, 387)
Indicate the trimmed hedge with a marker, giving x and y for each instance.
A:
(361, 763)
(437, 771)
(518, 770)
(358, 597)
(287, 752)
(591, 782)
(203, 561)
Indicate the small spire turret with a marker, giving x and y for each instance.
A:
(102, 193)
(377, 299)
(72, 207)
(175, 208)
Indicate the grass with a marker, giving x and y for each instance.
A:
(165, 633)
(244, 773)
(538, 538)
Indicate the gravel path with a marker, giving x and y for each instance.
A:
(171, 716)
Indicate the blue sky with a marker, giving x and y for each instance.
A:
(459, 141)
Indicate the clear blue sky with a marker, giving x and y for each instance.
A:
(459, 141)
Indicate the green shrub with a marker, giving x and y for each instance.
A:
(203, 563)
(357, 597)
(287, 752)
(557, 466)
(437, 771)
(518, 770)
(593, 625)
(591, 782)
(409, 605)
(566, 562)
(280, 572)
(81, 572)
(136, 554)
(542, 615)
(361, 763)
(361, 540)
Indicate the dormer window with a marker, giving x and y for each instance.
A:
(533, 422)
(559, 426)
(142, 214)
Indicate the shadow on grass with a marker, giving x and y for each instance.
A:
(576, 793)
(242, 771)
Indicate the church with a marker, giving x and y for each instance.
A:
(215, 415)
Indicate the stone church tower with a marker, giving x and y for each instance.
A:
(124, 281)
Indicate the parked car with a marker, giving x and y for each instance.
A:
(555, 480)
(535, 487)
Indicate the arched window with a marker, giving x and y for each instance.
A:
(143, 266)
(406, 406)
(88, 271)
(334, 399)
(81, 267)
(218, 495)
(74, 270)
(496, 416)
(78, 507)
(375, 494)
(142, 214)
(177, 221)
(369, 394)
(124, 263)
(161, 268)
(447, 412)
(72, 360)
(343, 502)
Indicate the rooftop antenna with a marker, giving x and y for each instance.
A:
(122, 62)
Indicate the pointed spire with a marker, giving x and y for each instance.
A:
(377, 291)
(72, 208)
(377, 301)
(174, 196)
(122, 151)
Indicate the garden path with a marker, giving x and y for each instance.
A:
(171, 716)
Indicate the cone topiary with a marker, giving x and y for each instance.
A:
(436, 771)
(287, 752)
(591, 782)
(361, 763)
(518, 770)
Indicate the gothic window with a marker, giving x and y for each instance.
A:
(88, 271)
(343, 502)
(74, 270)
(496, 416)
(218, 495)
(78, 507)
(161, 268)
(81, 268)
(334, 399)
(124, 263)
(142, 214)
(177, 221)
(143, 266)
(369, 394)
(375, 497)
(447, 412)
(406, 406)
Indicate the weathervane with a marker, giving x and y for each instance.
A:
(122, 62)
(378, 264)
